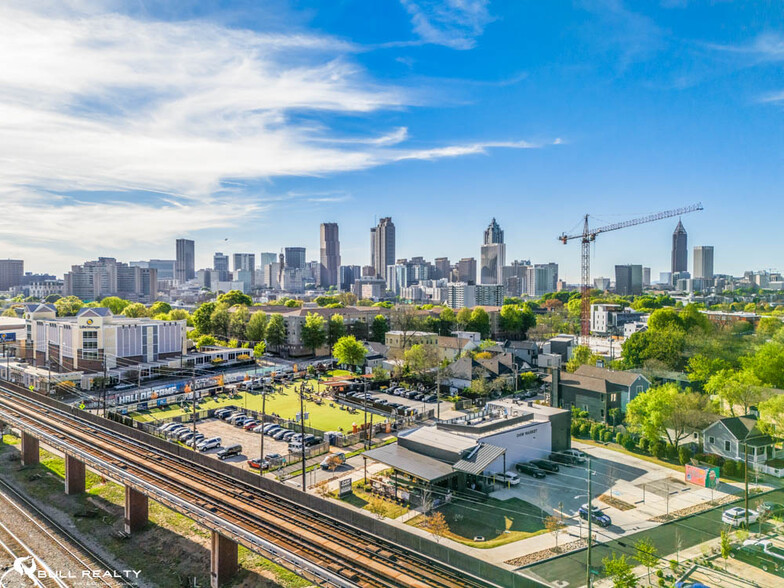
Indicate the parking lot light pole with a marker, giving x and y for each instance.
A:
(302, 430)
(590, 536)
(263, 411)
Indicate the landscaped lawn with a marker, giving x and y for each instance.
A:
(284, 403)
(361, 499)
(498, 521)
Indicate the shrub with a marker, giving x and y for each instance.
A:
(628, 443)
(657, 449)
(584, 414)
(619, 437)
(607, 436)
(644, 445)
(672, 452)
(596, 431)
(659, 574)
(728, 469)
(575, 429)
(684, 455)
(585, 429)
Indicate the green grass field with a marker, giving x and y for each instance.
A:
(284, 403)
(498, 521)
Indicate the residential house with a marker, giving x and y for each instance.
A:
(450, 348)
(598, 390)
(727, 438)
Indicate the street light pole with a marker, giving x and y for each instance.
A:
(263, 412)
(302, 429)
(590, 528)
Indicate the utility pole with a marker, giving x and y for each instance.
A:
(193, 389)
(302, 429)
(590, 528)
(103, 383)
(746, 478)
(364, 404)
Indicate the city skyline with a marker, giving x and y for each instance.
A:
(416, 119)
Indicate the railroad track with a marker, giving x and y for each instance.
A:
(67, 542)
(22, 555)
(354, 557)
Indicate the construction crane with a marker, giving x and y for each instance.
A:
(589, 235)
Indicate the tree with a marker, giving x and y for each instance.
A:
(114, 304)
(646, 553)
(768, 326)
(664, 318)
(201, 317)
(313, 333)
(336, 328)
(259, 349)
(421, 359)
(379, 328)
(349, 351)
(68, 306)
(582, 355)
(736, 388)
(52, 298)
(256, 327)
(10, 311)
(767, 364)
(160, 307)
(233, 297)
(178, 314)
(516, 320)
(238, 322)
(667, 411)
(135, 310)
(771, 419)
(275, 335)
(701, 367)
(554, 526)
(726, 546)
(665, 345)
(480, 322)
(347, 298)
(206, 341)
(219, 321)
(380, 375)
(437, 525)
(463, 318)
(620, 571)
(378, 507)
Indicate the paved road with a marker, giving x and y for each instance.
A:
(570, 570)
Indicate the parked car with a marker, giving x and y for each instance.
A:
(166, 426)
(229, 451)
(546, 465)
(251, 424)
(207, 444)
(312, 442)
(507, 477)
(279, 434)
(240, 422)
(531, 470)
(770, 509)
(234, 417)
(258, 429)
(258, 464)
(562, 458)
(761, 554)
(221, 412)
(195, 440)
(335, 458)
(295, 447)
(736, 517)
(430, 398)
(275, 459)
(597, 515)
(419, 397)
(288, 435)
(576, 454)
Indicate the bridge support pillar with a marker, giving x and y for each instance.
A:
(136, 510)
(30, 447)
(223, 560)
(74, 475)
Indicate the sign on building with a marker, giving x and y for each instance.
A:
(345, 487)
(7, 336)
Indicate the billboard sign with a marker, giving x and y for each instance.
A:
(345, 487)
(7, 336)
(703, 476)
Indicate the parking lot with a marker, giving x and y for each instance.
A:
(447, 408)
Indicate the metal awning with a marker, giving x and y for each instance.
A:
(412, 463)
(477, 461)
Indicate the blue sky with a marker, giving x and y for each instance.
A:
(126, 124)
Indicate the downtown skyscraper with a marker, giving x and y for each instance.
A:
(680, 251)
(382, 246)
(330, 255)
(493, 255)
(185, 261)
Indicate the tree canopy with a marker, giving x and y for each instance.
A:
(347, 350)
(233, 297)
(313, 333)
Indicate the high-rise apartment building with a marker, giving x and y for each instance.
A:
(382, 249)
(628, 280)
(330, 255)
(294, 257)
(185, 262)
(268, 258)
(493, 255)
(703, 262)
(11, 272)
(680, 251)
(541, 278)
(220, 263)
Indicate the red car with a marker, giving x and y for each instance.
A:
(258, 464)
(249, 425)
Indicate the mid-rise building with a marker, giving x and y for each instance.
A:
(680, 251)
(347, 275)
(11, 272)
(541, 278)
(703, 262)
(45, 288)
(490, 294)
(443, 268)
(397, 277)
(646, 277)
(267, 258)
(185, 262)
(294, 257)
(628, 280)
(245, 263)
(369, 288)
(220, 263)
(609, 319)
(382, 246)
(330, 255)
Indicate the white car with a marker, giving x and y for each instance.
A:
(736, 517)
(208, 444)
(507, 478)
(576, 454)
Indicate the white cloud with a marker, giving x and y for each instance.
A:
(183, 113)
(452, 23)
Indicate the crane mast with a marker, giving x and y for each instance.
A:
(589, 235)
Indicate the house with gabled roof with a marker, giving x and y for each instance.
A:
(598, 390)
(732, 437)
